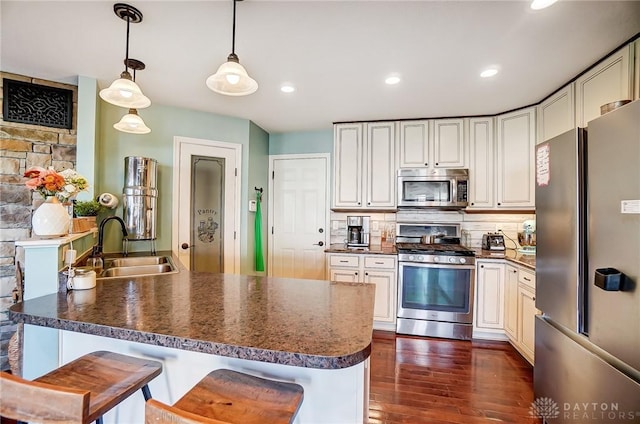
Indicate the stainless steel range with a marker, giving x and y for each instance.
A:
(435, 287)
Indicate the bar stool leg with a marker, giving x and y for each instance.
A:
(146, 392)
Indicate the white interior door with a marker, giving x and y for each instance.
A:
(197, 226)
(298, 216)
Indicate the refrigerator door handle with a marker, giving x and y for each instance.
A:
(609, 279)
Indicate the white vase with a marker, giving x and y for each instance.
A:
(51, 219)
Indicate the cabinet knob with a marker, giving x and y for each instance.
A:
(499, 203)
(533, 298)
(185, 246)
(366, 273)
(368, 203)
(472, 203)
(426, 164)
(436, 163)
(359, 203)
(356, 272)
(320, 243)
(481, 266)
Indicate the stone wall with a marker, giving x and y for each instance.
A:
(23, 146)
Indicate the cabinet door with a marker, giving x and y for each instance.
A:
(380, 165)
(385, 282)
(511, 302)
(344, 275)
(526, 320)
(414, 144)
(515, 144)
(481, 168)
(347, 154)
(490, 295)
(556, 114)
(609, 81)
(448, 143)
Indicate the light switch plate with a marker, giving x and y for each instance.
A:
(252, 206)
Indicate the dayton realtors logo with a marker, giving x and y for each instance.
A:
(581, 412)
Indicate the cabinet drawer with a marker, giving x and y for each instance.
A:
(344, 261)
(527, 278)
(380, 262)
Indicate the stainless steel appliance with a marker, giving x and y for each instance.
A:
(435, 284)
(437, 188)
(139, 198)
(587, 350)
(492, 241)
(358, 231)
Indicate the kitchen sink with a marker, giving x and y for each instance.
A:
(137, 266)
(135, 261)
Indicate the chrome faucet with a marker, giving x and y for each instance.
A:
(97, 249)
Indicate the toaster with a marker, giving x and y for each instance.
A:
(492, 241)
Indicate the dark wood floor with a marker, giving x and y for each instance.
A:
(437, 381)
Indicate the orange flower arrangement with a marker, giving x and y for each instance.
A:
(48, 182)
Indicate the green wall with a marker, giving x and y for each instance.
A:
(301, 142)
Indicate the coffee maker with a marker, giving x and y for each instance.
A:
(358, 231)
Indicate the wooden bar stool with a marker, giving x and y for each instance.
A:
(226, 396)
(79, 392)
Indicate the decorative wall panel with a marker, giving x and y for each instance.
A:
(36, 104)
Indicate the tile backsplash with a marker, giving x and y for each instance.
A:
(472, 225)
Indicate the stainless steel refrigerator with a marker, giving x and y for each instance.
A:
(587, 349)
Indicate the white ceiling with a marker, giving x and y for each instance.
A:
(336, 53)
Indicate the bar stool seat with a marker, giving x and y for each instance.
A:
(78, 392)
(226, 396)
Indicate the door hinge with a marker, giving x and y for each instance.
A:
(234, 235)
(271, 230)
(236, 171)
(273, 175)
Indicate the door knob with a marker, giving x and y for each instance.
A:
(320, 243)
(185, 246)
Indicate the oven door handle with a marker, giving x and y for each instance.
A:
(442, 265)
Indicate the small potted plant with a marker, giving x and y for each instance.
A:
(85, 213)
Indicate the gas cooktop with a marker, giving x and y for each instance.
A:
(434, 249)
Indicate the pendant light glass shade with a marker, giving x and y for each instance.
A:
(132, 123)
(232, 79)
(123, 92)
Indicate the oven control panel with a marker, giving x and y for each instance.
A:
(436, 259)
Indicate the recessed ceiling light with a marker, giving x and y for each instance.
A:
(541, 4)
(392, 80)
(287, 88)
(488, 73)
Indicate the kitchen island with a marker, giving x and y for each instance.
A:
(315, 333)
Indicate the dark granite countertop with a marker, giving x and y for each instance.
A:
(528, 261)
(305, 323)
(374, 249)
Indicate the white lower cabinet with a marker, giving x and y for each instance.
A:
(489, 305)
(511, 302)
(380, 270)
(521, 310)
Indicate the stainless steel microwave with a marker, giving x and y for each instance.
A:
(437, 188)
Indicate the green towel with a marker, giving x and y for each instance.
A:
(258, 234)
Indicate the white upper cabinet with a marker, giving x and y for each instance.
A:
(438, 143)
(515, 159)
(347, 154)
(448, 143)
(380, 166)
(607, 82)
(414, 144)
(556, 114)
(364, 166)
(482, 177)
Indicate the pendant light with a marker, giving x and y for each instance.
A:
(232, 79)
(124, 92)
(131, 122)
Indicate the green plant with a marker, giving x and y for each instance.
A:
(86, 208)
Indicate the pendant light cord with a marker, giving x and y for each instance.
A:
(233, 34)
(126, 59)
